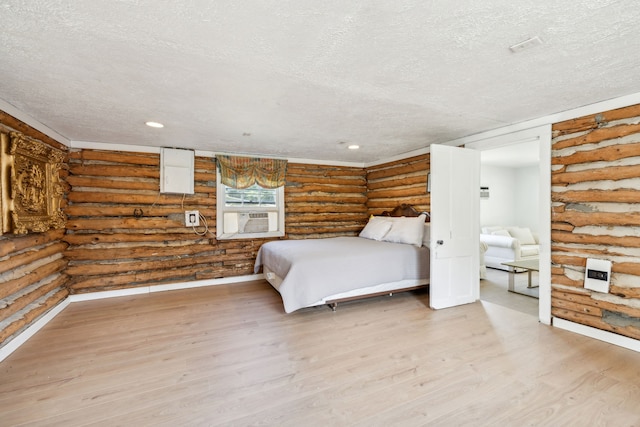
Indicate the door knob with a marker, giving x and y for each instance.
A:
(440, 242)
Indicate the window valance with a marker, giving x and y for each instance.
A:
(243, 172)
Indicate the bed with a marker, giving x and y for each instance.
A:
(390, 255)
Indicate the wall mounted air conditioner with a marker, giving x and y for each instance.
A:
(250, 222)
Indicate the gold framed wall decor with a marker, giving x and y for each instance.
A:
(31, 188)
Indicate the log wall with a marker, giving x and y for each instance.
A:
(596, 214)
(32, 278)
(123, 233)
(402, 181)
(324, 201)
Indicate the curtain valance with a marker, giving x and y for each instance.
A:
(243, 172)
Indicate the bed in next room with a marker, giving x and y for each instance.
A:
(391, 254)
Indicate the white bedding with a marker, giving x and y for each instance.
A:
(310, 270)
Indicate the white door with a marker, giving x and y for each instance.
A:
(455, 229)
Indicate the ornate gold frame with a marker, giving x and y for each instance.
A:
(31, 188)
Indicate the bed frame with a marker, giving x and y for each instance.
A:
(333, 303)
(405, 210)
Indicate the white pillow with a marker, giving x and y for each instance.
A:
(504, 233)
(376, 228)
(426, 235)
(523, 234)
(491, 230)
(407, 230)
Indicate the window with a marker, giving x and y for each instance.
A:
(254, 196)
(253, 212)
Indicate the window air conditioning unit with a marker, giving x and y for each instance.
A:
(250, 222)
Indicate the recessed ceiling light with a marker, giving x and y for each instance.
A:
(353, 147)
(154, 124)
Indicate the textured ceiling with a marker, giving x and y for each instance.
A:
(305, 78)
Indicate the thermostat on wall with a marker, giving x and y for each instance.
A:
(597, 276)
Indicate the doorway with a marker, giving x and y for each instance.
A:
(509, 201)
(540, 216)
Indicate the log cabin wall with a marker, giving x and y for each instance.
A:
(596, 214)
(324, 201)
(32, 279)
(402, 181)
(123, 233)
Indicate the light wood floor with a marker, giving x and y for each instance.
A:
(494, 289)
(228, 355)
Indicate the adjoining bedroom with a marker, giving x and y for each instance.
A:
(284, 214)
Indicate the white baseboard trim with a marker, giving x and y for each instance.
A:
(208, 282)
(30, 331)
(90, 296)
(162, 288)
(598, 334)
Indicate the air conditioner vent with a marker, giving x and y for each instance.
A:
(254, 222)
(259, 215)
(250, 222)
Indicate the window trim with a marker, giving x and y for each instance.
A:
(221, 209)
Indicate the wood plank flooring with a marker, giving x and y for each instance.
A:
(228, 355)
(494, 289)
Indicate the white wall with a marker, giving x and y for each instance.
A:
(513, 196)
(527, 195)
(499, 208)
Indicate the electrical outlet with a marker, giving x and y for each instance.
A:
(191, 218)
